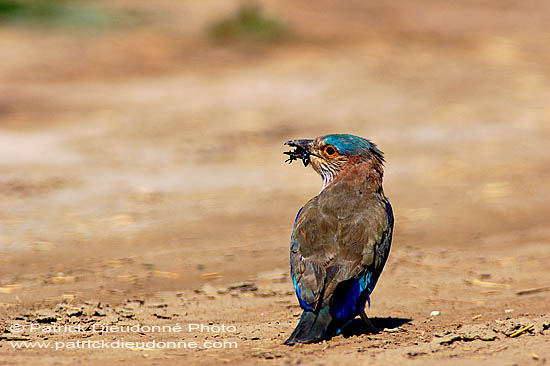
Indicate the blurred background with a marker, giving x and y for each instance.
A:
(141, 142)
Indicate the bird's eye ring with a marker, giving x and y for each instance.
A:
(330, 150)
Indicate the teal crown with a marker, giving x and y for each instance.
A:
(350, 145)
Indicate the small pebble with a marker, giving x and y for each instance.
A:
(391, 330)
(508, 310)
(435, 313)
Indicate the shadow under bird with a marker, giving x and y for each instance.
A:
(341, 237)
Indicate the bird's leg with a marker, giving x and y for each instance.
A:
(367, 322)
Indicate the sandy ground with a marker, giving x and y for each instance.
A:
(142, 184)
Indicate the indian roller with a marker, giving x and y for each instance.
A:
(341, 237)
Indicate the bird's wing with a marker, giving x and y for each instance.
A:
(311, 253)
(382, 249)
(337, 241)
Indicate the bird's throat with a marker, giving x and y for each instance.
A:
(367, 175)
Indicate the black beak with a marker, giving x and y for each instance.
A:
(301, 151)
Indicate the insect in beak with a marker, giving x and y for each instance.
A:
(301, 151)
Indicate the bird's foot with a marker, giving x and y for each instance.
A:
(368, 323)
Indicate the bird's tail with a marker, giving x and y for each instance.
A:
(312, 327)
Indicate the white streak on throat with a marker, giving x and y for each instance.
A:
(328, 176)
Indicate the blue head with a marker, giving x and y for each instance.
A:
(330, 154)
(350, 145)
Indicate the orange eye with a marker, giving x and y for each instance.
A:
(330, 150)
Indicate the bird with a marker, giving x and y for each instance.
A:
(341, 237)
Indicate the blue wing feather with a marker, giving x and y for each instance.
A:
(349, 298)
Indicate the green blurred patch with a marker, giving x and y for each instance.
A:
(249, 23)
(63, 13)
